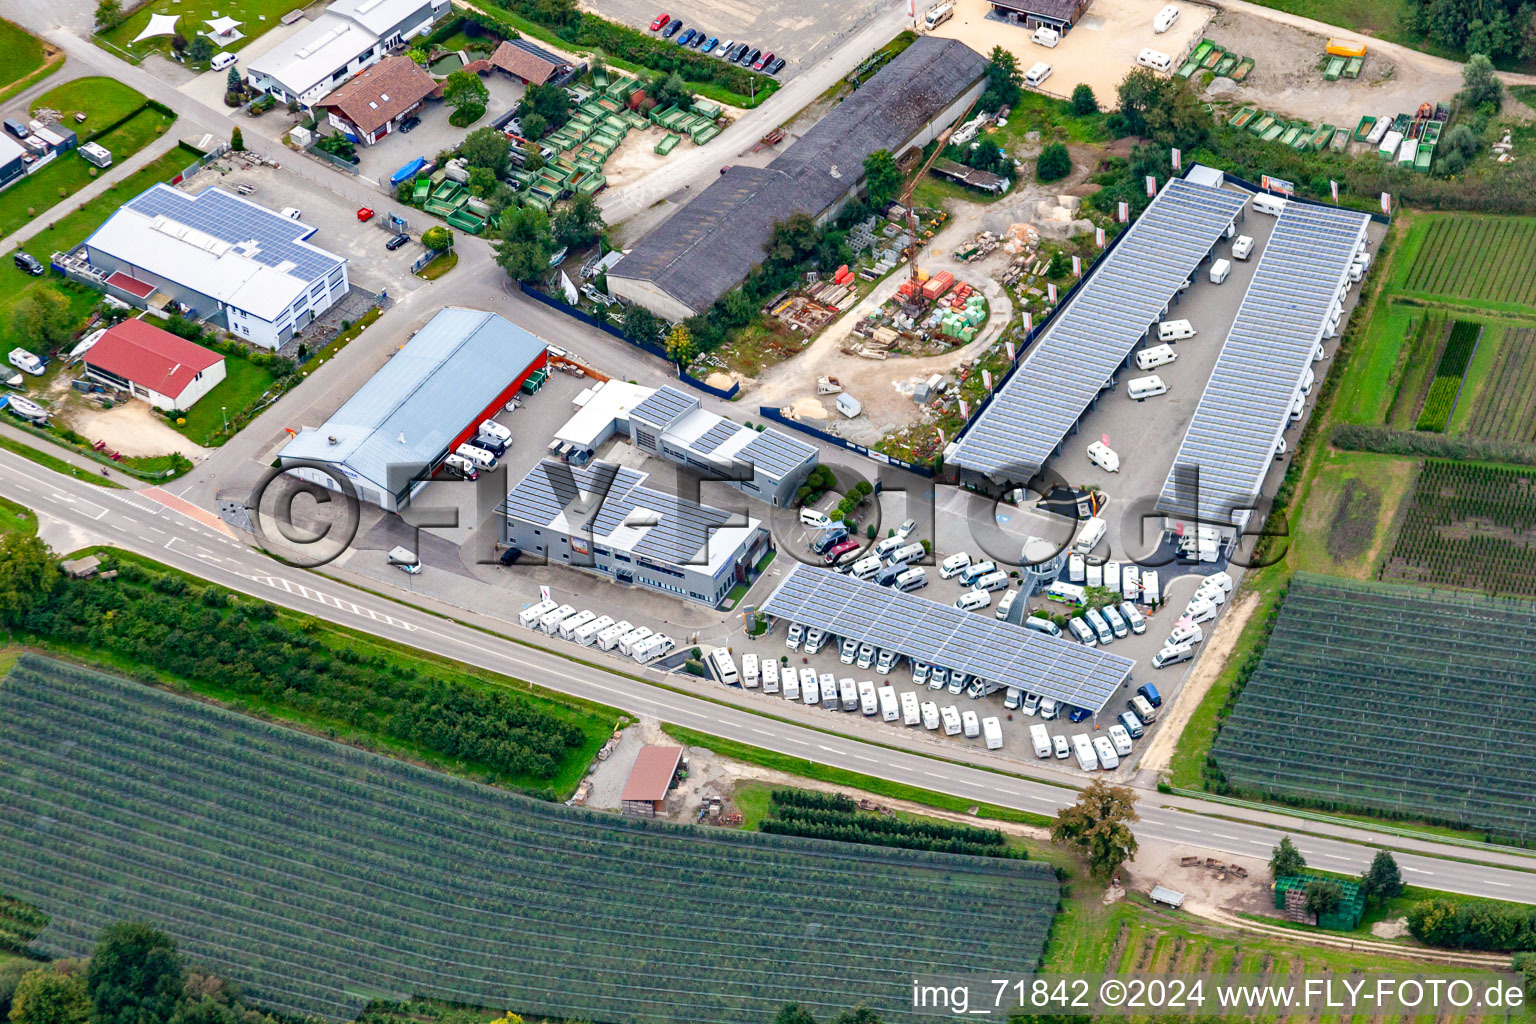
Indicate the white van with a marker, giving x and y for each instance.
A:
(1142, 388)
(1143, 709)
(608, 638)
(1173, 655)
(975, 571)
(1046, 36)
(1242, 247)
(814, 519)
(990, 582)
(1165, 19)
(890, 710)
(462, 466)
(869, 703)
(749, 672)
(912, 579)
(1157, 355)
(405, 559)
(1036, 624)
(910, 712)
(938, 15)
(865, 567)
(930, 715)
(1185, 631)
(1090, 535)
(950, 716)
(1133, 617)
(907, 553)
(954, 565)
(1157, 60)
(479, 456)
(1103, 456)
(1273, 205)
(1037, 74)
(1005, 604)
(1175, 330)
(222, 60)
(1219, 271)
(531, 615)
(770, 675)
(972, 600)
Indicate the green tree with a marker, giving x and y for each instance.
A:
(136, 975)
(792, 239)
(109, 14)
(43, 319)
(419, 56)
(1004, 83)
(670, 91)
(233, 81)
(1084, 102)
(526, 244)
(464, 89)
(680, 346)
(1054, 164)
(1382, 881)
(486, 147)
(534, 126)
(481, 182)
(201, 48)
(737, 307)
(11, 973)
(793, 1013)
(640, 324)
(860, 1014)
(237, 140)
(437, 237)
(578, 223)
(28, 576)
(1480, 84)
(1098, 827)
(1324, 896)
(548, 101)
(45, 996)
(882, 178)
(1286, 860)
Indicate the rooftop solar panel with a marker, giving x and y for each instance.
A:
(234, 220)
(1089, 339)
(776, 453)
(941, 634)
(1230, 444)
(715, 436)
(666, 405)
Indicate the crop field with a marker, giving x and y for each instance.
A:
(1394, 701)
(1445, 388)
(1478, 260)
(1506, 406)
(319, 876)
(1471, 526)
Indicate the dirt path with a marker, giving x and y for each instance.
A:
(1212, 660)
(1318, 938)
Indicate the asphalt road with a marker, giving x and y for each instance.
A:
(75, 513)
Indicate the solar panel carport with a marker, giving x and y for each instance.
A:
(1231, 441)
(1128, 292)
(941, 634)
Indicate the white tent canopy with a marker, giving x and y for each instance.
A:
(222, 26)
(159, 25)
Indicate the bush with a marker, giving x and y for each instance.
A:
(1083, 100)
(1054, 164)
(466, 115)
(1455, 924)
(1360, 437)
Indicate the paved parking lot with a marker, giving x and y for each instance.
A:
(434, 134)
(800, 31)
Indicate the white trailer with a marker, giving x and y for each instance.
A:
(1087, 760)
(791, 684)
(1108, 759)
(551, 620)
(652, 647)
(608, 637)
(1066, 593)
(530, 616)
(1040, 738)
(931, 718)
(1121, 738)
(1151, 589)
(810, 691)
(749, 673)
(770, 676)
(628, 641)
(1112, 576)
(848, 694)
(1130, 581)
(1076, 569)
(587, 634)
(569, 626)
(950, 716)
(830, 698)
(970, 724)
(910, 712)
(992, 730)
(869, 703)
(890, 707)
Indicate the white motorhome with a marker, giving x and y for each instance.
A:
(1142, 388)
(1112, 575)
(1066, 593)
(972, 600)
(749, 672)
(571, 624)
(1076, 572)
(551, 620)
(911, 713)
(1130, 581)
(992, 730)
(990, 582)
(949, 715)
(1200, 609)
(1046, 36)
(1273, 205)
(1157, 355)
(791, 684)
(462, 466)
(770, 676)
(1092, 532)
(1242, 247)
(1185, 631)
(1175, 330)
(1219, 271)
(865, 567)
(1037, 74)
(495, 432)
(1108, 759)
(970, 724)
(608, 637)
(954, 565)
(1165, 19)
(1151, 587)
(1143, 708)
(890, 708)
(938, 15)
(1040, 737)
(848, 694)
(628, 641)
(906, 554)
(1087, 760)
(1121, 740)
(1157, 60)
(652, 647)
(827, 683)
(931, 719)
(1103, 456)
(869, 702)
(912, 579)
(810, 689)
(1005, 604)
(479, 456)
(531, 615)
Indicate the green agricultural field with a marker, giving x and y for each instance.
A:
(1445, 387)
(1392, 701)
(21, 55)
(1505, 404)
(318, 876)
(1485, 262)
(1468, 525)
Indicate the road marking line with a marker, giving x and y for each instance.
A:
(1335, 856)
(861, 757)
(1490, 881)
(1222, 835)
(762, 732)
(1258, 842)
(1186, 828)
(1419, 871)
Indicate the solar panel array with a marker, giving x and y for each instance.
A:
(231, 219)
(1089, 339)
(665, 406)
(1231, 440)
(942, 634)
(776, 453)
(715, 436)
(615, 494)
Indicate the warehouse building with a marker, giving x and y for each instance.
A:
(167, 371)
(1060, 15)
(218, 256)
(13, 162)
(707, 248)
(602, 518)
(431, 396)
(349, 36)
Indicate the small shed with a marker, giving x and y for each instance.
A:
(1166, 896)
(650, 780)
(81, 568)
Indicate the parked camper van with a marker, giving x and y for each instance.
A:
(1037, 74)
(571, 624)
(992, 731)
(890, 709)
(1242, 247)
(1005, 604)
(827, 683)
(990, 582)
(912, 579)
(930, 715)
(810, 690)
(1142, 388)
(975, 571)
(1157, 60)
(222, 60)
(973, 600)
(1157, 355)
(1087, 760)
(1046, 36)
(657, 645)
(479, 456)
(970, 724)
(1066, 593)
(494, 431)
(1132, 725)
(1219, 271)
(1103, 456)
(1273, 205)
(791, 683)
(1083, 634)
(848, 694)
(629, 641)
(869, 703)
(954, 565)
(551, 620)
(608, 637)
(1133, 618)
(814, 519)
(1039, 625)
(531, 615)
(906, 554)
(865, 567)
(888, 547)
(1175, 330)
(750, 675)
(949, 715)
(770, 672)
(461, 466)
(1143, 709)
(1165, 19)
(1099, 626)
(1092, 532)
(1040, 739)
(1108, 759)
(938, 15)
(911, 714)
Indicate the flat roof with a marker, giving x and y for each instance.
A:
(651, 776)
(604, 403)
(713, 438)
(1072, 360)
(376, 15)
(941, 634)
(218, 244)
(1230, 443)
(664, 406)
(315, 52)
(428, 392)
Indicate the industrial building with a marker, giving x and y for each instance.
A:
(1231, 443)
(374, 102)
(217, 256)
(349, 36)
(167, 371)
(706, 249)
(1095, 332)
(13, 162)
(1060, 15)
(941, 634)
(602, 518)
(430, 397)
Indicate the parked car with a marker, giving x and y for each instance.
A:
(840, 549)
(714, 41)
(397, 241)
(658, 22)
(750, 58)
(28, 263)
(687, 37)
(365, 213)
(776, 66)
(410, 124)
(739, 52)
(672, 29)
(763, 61)
(724, 49)
(698, 40)
(292, 212)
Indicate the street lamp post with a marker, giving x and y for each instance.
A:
(224, 412)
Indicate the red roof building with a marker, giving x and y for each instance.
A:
(167, 371)
(650, 780)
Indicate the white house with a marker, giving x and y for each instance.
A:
(167, 371)
(221, 257)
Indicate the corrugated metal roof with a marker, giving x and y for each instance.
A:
(941, 634)
(1088, 341)
(1230, 443)
(706, 248)
(424, 396)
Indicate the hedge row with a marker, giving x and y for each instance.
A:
(1384, 440)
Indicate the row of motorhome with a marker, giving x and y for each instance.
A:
(469, 459)
(592, 630)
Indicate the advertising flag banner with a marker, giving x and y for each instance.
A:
(1333, 187)
(1151, 186)
(986, 377)
(1012, 352)
(1098, 236)
(1050, 291)
(1386, 202)
(1125, 211)
(1077, 266)
(1177, 162)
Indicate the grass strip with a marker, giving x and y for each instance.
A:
(55, 463)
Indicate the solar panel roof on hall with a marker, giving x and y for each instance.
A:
(232, 219)
(1089, 339)
(941, 634)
